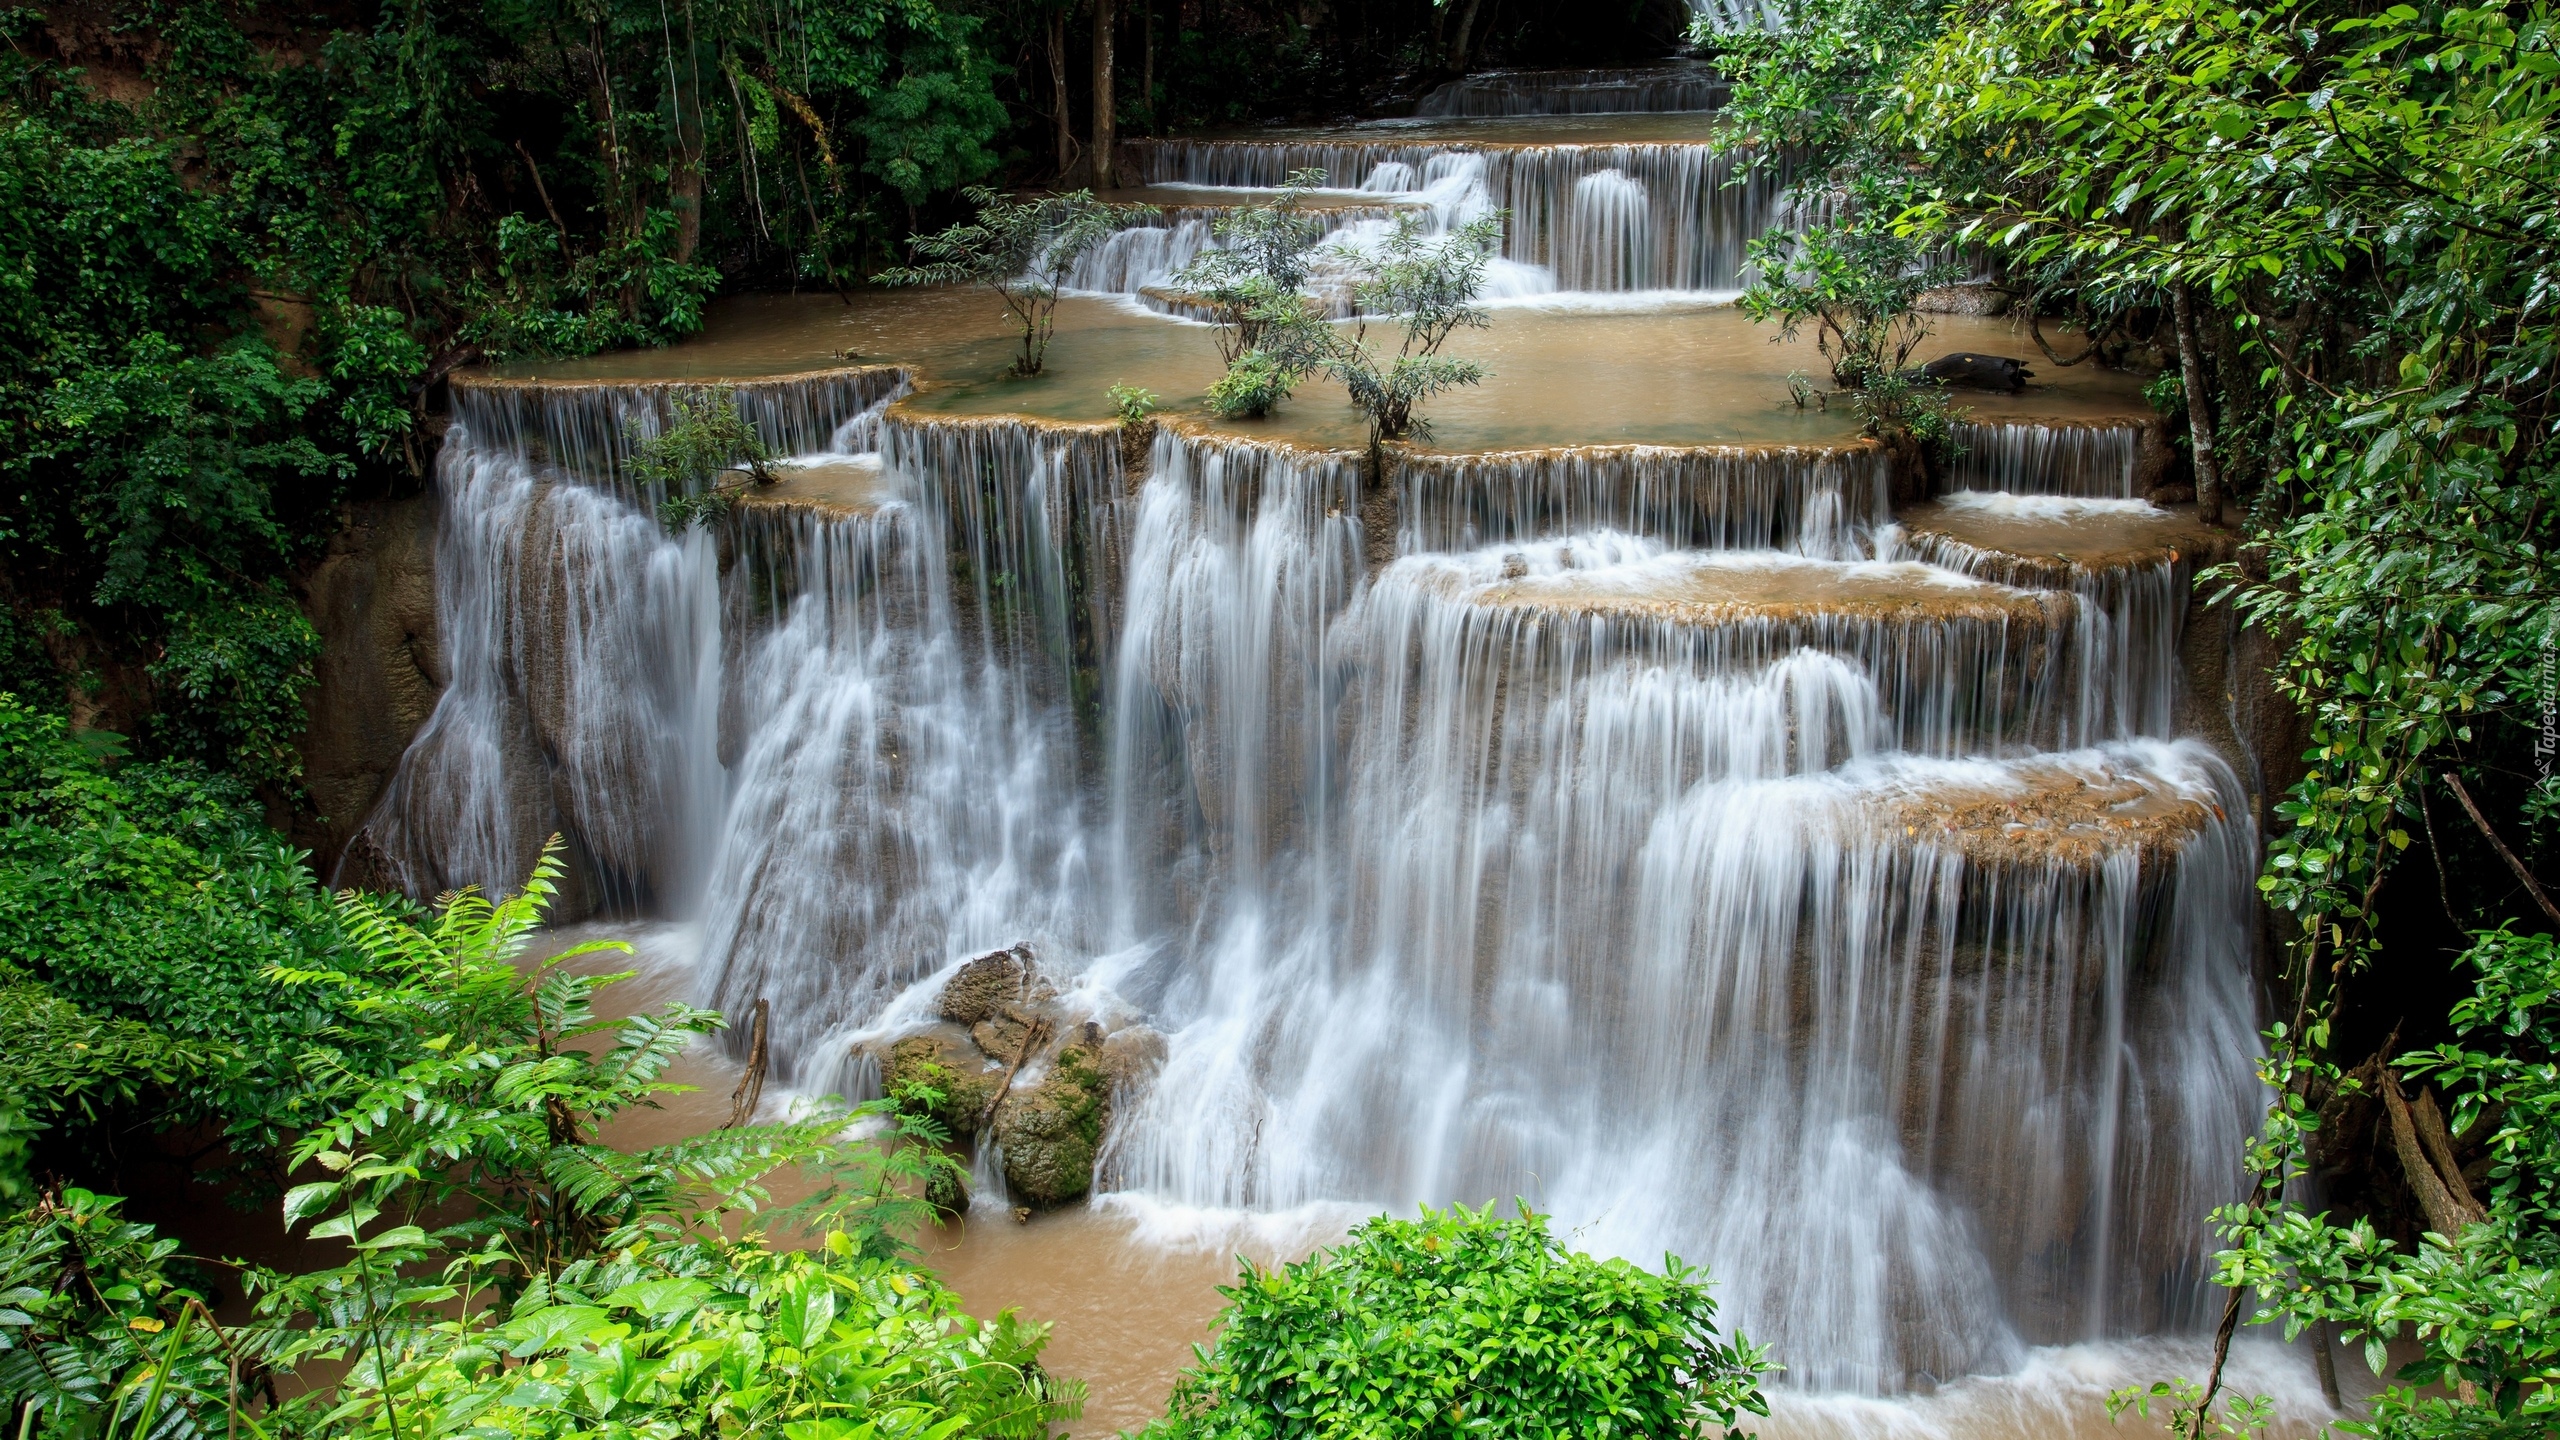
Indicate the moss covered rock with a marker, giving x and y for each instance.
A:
(951, 1067)
(1052, 1131)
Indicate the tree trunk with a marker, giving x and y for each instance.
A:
(1147, 69)
(1106, 23)
(1058, 90)
(2199, 408)
(2446, 1214)
(1456, 56)
(685, 184)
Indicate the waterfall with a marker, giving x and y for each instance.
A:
(2131, 613)
(1645, 89)
(1668, 837)
(2047, 458)
(1666, 933)
(1699, 207)
(1606, 240)
(584, 651)
(1816, 500)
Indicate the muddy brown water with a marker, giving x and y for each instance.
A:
(1585, 371)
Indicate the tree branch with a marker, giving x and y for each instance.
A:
(2532, 887)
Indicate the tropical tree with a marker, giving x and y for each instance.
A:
(1023, 250)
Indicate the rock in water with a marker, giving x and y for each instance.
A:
(1983, 372)
(986, 985)
(949, 1065)
(1052, 1131)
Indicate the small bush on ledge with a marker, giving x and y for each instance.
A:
(1464, 1323)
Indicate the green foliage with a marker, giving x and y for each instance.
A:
(144, 908)
(98, 1336)
(1855, 283)
(1428, 284)
(2483, 1307)
(1464, 1323)
(239, 669)
(704, 437)
(227, 301)
(1134, 403)
(1895, 403)
(724, 1339)
(1256, 380)
(1020, 249)
(1263, 256)
(1808, 83)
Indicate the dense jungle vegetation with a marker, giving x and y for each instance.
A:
(241, 245)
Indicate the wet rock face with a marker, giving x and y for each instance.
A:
(1005, 1041)
(985, 986)
(1052, 1131)
(1982, 372)
(373, 600)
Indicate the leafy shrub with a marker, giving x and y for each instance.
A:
(705, 437)
(1263, 254)
(1855, 283)
(150, 896)
(719, 1339)
(1133, 403)
(1895, 404)
(1254, 382)
(100, 1327)
(1463, 1323)
(1428, 284)
(1020, 249)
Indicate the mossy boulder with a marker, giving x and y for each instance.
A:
(949, 1065)
(1052, 1131)
(986, 986)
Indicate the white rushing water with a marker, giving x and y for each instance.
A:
(1588, 218)
(1636, 832)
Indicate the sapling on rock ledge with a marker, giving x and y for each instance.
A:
(1856, 283)
(1428, 284)
(705, 438)
(1021, 249)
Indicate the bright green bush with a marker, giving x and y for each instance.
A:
(147, 900)
(1463, 1323)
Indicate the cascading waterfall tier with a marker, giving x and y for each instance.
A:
(1928, 1056)
(2131, 565)
(2086, 458)
(1599, 216)
(1652, 89)
(1675, 838)
(1815, 500)
(587, 429)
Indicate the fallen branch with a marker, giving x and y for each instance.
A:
(742, 1101)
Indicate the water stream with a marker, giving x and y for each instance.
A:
(1675, 836)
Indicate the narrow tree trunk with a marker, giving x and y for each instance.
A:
(2446, 1215)
(1106, 24)
(2199, 408)
(1147, 69)
(685, 184)
(1456, 57)
(1058, 89)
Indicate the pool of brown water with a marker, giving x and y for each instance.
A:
(1577, 371)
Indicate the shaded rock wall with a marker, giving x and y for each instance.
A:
(372, 597)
